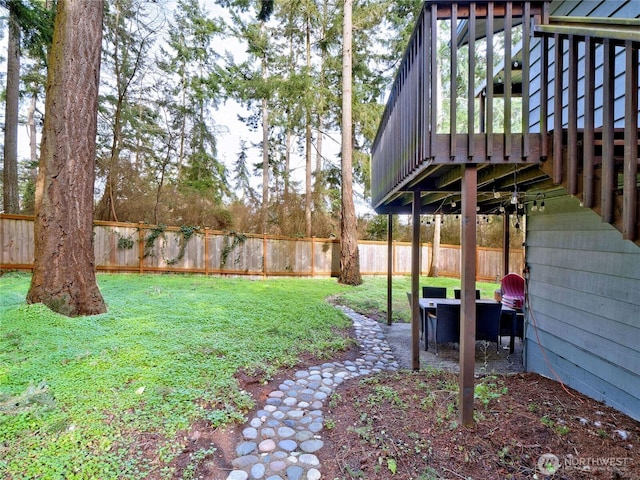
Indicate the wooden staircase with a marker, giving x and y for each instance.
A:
(598, 165)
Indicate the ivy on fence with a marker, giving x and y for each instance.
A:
(238, 239)
(185, 232)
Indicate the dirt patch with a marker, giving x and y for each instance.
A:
(405, 425)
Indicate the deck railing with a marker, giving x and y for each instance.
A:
(597, 54)
(409, 134)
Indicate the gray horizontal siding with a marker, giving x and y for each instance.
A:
(584, 8)
(584, 292)
(581, 380)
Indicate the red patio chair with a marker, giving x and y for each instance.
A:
(513, 291)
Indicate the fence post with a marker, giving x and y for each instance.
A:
(206, 251)
(313, 257)
(264, 255)
(140, 247)
(394, 257)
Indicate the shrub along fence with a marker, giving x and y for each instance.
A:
(143, 248)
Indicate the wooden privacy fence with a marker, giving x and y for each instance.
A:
(142, 248)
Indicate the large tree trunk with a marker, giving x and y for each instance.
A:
(63, 275)
(11, 198)
(435, 255)
(349, 255)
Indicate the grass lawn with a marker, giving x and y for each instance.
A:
(79, 397)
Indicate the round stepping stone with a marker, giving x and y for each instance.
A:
(238, 475)
(245, 448)
(257, 471)
(245, 461)
(295, 473)
(267, 445)
(267, 432)
(288, 445)
(304, 435)
(311, 446)
(309, 459)
(277, 466)
(286, 432)
(250, 433)
(315, 427)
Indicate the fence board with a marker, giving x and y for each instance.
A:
(119, 246)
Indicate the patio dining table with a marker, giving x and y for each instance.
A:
(430, 305)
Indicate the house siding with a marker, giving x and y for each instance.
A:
(583, 8)
(583, 321)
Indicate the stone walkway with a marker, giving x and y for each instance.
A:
(280, 442)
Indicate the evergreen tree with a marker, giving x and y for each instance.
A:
(129, 37)
(30, 29)
(64, 265)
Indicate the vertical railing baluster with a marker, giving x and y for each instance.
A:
(471, 80)
(544, 96)
(508, 22)
(434, 78)
(416, 104)
(489, 99)
(404, 120)
(557, 110)
(572, 118)
(426, 84)
(453, 80)
(608, 166)
(589, 123)
(630, 185)
(526, 45)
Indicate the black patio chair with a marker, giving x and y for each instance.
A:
(434, 292)
(488, 322)
(456, 294)
(446, 325)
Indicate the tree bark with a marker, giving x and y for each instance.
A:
(11, 199)
(435, 254)
(64, 267)
(349, 254)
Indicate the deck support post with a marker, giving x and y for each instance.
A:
(390, 269)
(468, 293)
(415, 283)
